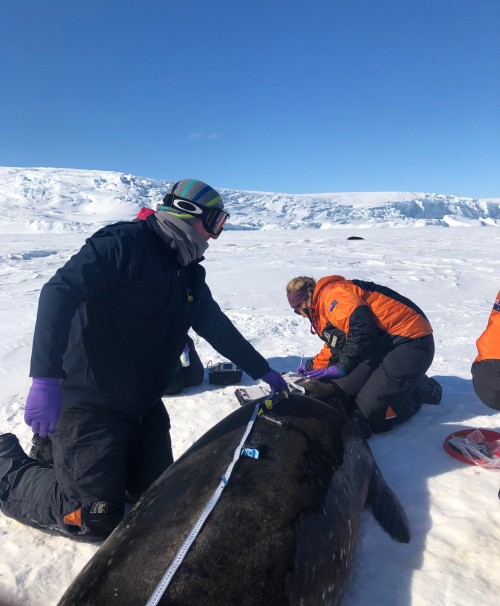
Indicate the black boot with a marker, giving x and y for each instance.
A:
(429, 391)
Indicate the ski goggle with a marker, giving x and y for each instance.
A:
(213, 219)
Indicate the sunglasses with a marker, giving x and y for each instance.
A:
(302, 308)
(213, 219)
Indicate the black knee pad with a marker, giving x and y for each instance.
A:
(101, 518)
(378, 422)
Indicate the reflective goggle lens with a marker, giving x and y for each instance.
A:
(215, 221)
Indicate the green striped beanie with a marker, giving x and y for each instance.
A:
(195, 191)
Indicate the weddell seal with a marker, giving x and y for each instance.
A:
(283, 531)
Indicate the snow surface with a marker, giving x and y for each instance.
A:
(452, 274)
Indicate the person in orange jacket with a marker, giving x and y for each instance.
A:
(377, 347)
(486, 367)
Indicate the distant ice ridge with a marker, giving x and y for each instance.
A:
(68, 200)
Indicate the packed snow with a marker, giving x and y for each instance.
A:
(453, 274)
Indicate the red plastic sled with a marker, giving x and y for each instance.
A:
(490, 437)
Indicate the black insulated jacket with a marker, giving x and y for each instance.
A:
(113, 321)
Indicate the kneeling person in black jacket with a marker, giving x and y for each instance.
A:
(111, 326)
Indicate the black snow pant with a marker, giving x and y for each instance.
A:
(187, 376)
(98, 458)
(486, 382)
(390, 380)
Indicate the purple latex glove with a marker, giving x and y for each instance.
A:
(43, 406)
(301, 369)
(275, 381)
(332, 372)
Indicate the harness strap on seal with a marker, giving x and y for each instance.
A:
(181, 554)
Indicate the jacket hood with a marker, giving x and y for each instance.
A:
(320, 284)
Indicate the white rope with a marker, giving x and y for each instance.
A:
(181, 554)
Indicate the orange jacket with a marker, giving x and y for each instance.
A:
(488, 344)
(356, 318)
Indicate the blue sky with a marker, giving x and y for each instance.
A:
(274, 95)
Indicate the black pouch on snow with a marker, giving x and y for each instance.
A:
(224, 374)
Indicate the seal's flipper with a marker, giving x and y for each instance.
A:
(387, 509)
